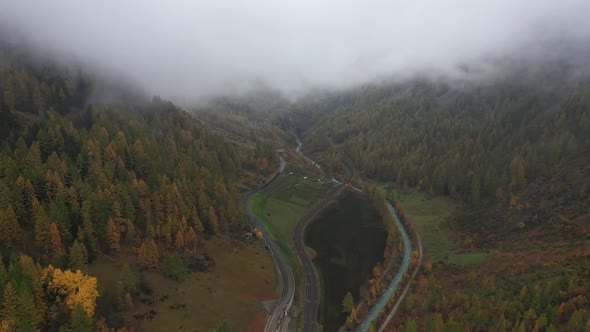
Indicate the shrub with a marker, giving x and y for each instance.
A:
(175, 267)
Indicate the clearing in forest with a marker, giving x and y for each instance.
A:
(428, 215)
(282, 204)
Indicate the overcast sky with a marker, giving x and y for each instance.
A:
(194, 48)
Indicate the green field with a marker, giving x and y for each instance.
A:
(281, 205)
(428, 214)
(468, 258)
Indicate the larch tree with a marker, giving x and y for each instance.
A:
(55, 249)
(213, 220)
(148, 255)
(41, 227)
(113, 236)
(347, 303)
(517, 173)
(179, 242)
(128, 279)
(73, 288)
(192, 239)
(78, 256)
(80, 321)
(10, 307)
(10, 231)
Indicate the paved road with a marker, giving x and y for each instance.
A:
(312, 284)
(277, 321)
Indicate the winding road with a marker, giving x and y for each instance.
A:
(312, 285)
(278, 319)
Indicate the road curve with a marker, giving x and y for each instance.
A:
(276, 321)
(312, 286)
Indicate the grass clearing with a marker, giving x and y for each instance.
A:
(282, 204)
(468, 258)
(232, 293)
(428, 214)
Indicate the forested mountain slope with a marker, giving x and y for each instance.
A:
(79, 181)
(477, 142)
(514, 153)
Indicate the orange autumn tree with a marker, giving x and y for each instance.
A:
(72, 288)
(213, 220)
(148, 255)
(179, 242)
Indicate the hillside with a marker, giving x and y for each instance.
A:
(481, 143)
(513, 155)
(81, 182)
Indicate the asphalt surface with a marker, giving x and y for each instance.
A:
(312, 285)
(277, 320)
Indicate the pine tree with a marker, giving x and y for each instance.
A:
(55, 250)
(128, 279)
(517, 171)
(148, 255)
(80, 321)
(78, 256)
(213, 221)
(347, 303)
(192, 239)
(10, 306)
(42, 227)
(10, 230)
(113, 236)
(28, 315)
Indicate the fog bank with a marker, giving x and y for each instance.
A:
(189, 49)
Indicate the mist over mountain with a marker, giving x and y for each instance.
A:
(187, 50)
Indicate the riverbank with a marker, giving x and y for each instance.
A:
(393, 286)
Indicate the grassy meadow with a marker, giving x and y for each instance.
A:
(281, 206)
(232, 292)
(428, 216)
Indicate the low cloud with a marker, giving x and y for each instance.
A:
(189, 49)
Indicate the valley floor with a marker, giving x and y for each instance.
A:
(244, 277)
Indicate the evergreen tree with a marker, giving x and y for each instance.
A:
(80, 321)
(113, 236)
(148, 255)
(10, 305)
(10, 231)
(213, 221)
(179, 241)
(347, 303)
(78, 256)
(128, 279)
(55, 249)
